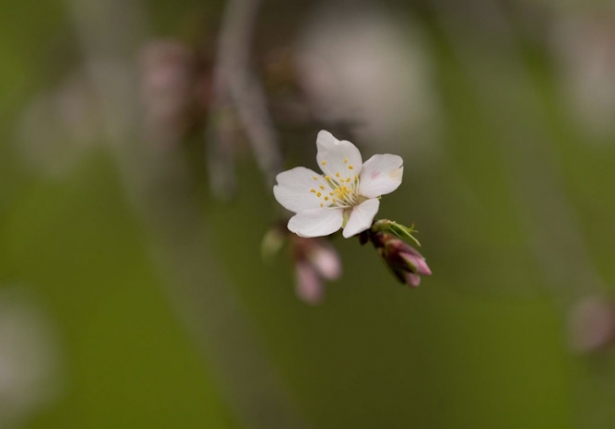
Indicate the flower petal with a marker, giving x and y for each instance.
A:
(413, 280)
(316, 222)
(361, 217)
(340, 160)
(309, 286)
(325, 260)
(381, 174)
(416, 263)
(301, 189)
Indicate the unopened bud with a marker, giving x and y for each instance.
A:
(315, 260)
(415, 262)
(309, 286)
(325, 259)
(406, 263)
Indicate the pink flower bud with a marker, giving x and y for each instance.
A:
(406, 263)
(416, 263)
(325, 260)
(309, 286)
(413, 280)
(315, 261)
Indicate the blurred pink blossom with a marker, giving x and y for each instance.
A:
(315, 261)
(592, 324)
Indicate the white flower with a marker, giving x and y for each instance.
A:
(345, 196)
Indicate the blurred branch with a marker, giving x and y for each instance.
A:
(163, 193)
(236, 88)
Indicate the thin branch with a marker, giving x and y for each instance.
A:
(163, 193)
(236, 89)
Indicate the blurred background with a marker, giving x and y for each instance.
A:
(139, 142)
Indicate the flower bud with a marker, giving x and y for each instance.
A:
(325, 260)
(414, 261)
(406, 263)
(315, 261)
(309, 287)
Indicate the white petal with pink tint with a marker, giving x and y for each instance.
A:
(298, 189)
(361, 217)
(316, 222)
(381, 174)
(337, 159)
(348, 186)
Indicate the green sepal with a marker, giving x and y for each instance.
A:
(397, 229)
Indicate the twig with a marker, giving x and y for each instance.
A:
(236, 89)
(164, 195)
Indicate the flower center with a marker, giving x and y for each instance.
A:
(342, 191)
(344, 195)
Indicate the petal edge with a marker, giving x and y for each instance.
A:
(316, 222)
(381, 175)
(361, 217)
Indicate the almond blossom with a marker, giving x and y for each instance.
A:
(345, 196)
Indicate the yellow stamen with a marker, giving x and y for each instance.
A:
(322, 187)
(315, 177)
(350, 167)
(321, 204)
(323, 162)
(327, 178)
(337, 174)
(313, 191)
(326, 198)
(318, 194)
